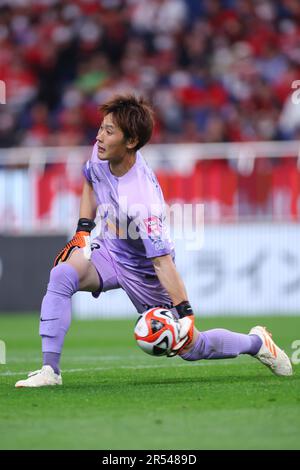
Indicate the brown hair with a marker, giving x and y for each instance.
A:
(133, 115)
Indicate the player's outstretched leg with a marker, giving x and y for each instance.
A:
(65, 280)
(224, 344)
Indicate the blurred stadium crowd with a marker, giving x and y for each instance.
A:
(215, 70)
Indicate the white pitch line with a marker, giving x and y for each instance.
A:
(154, 366)
(73, 358)
(66, 358)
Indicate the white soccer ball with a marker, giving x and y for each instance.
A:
(157, 331)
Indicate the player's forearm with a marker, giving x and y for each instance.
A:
(87, 203)
(85, 225)
(170, 278)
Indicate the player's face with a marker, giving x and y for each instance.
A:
(111, 141)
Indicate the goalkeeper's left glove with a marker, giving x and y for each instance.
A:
(186, 322)
(81, 239)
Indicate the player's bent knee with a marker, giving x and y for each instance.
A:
(64, 279)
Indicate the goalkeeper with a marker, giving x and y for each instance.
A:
(133, 251)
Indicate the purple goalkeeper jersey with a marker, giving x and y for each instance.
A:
(131, 218)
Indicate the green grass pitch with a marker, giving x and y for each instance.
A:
(116, 397)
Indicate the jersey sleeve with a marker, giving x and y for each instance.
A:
(86, 170)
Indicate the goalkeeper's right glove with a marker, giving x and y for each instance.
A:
(81, 239)
(186, 322)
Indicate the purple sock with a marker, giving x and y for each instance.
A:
(56, 312)
(222, 344)
(52, 359)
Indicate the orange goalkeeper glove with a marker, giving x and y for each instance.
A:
(81, 239)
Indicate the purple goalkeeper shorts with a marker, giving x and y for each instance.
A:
(143, 290)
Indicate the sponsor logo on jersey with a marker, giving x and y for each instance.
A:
(153, 226)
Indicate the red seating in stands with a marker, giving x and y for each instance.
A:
(286, 189)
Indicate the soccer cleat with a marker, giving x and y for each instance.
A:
(41, 378)
(270, 354)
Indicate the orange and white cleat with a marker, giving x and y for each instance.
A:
(270, 354)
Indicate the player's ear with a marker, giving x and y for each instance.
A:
(132, 143)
